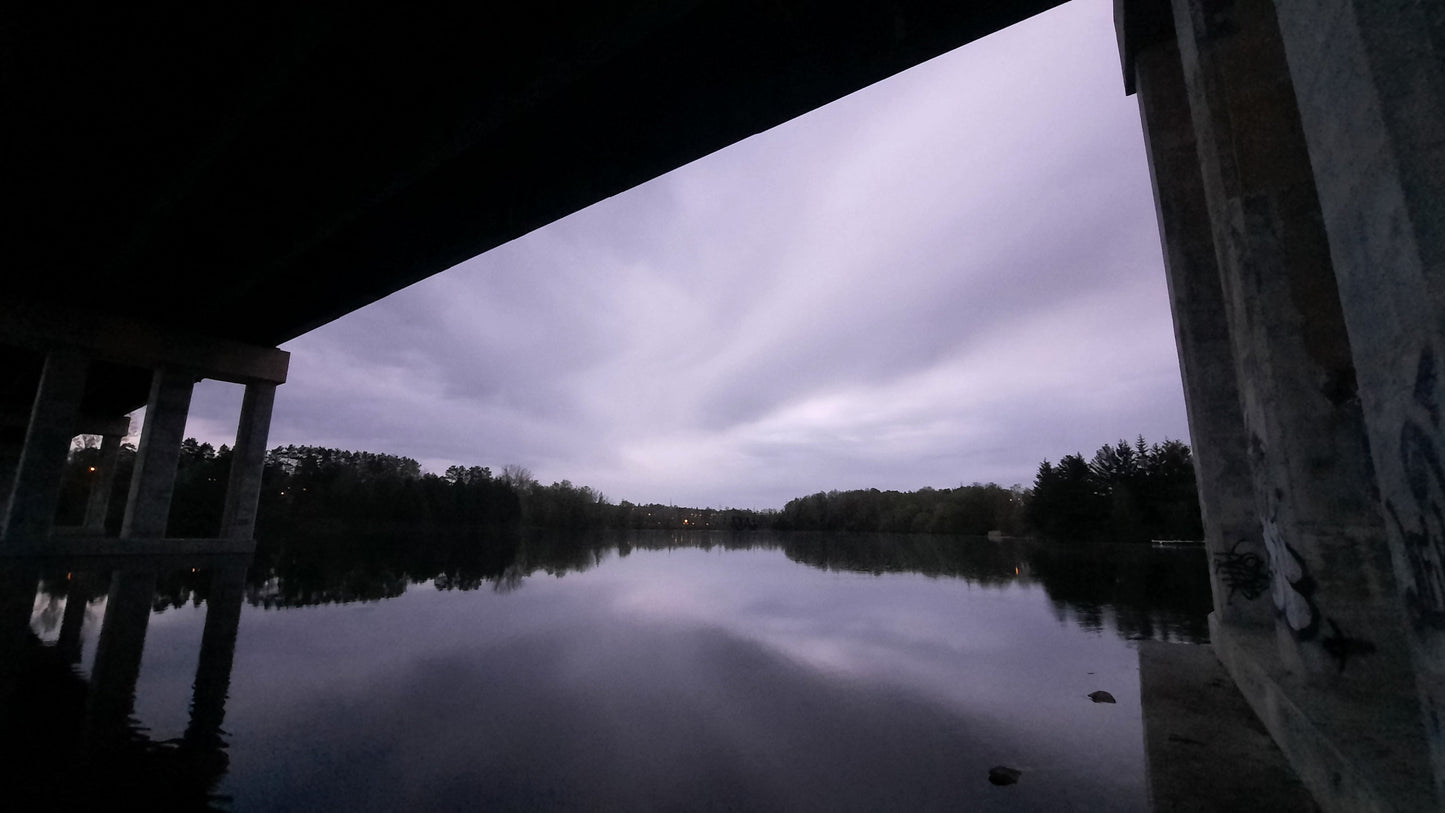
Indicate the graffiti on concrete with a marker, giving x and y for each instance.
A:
(1421, 525)
(1294, 590)
(1243, 572)
(1342, 647)
(1291, 585)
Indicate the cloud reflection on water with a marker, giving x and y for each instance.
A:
(684, 676)
(760, 671)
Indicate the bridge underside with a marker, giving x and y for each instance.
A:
(198, 187)
(255, 171)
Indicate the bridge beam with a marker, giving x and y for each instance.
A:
(109, 337)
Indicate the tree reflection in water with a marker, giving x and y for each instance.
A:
(1149, 592)
(73, 742)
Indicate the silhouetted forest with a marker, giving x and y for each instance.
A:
(974, 509)
(1127, 492)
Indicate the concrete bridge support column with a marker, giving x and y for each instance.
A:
(1333, 581)
(98, 504)
(148, 508)
(31, 503)
(1335, 685)
(1370, 78)
(243, 492)
(1239, 570)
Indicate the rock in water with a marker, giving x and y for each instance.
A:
(1001, 775)
(1101, 697)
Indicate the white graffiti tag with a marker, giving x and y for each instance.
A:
(1291, 584)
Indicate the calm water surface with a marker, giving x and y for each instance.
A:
(674, 673)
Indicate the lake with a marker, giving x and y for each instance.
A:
(646, 671)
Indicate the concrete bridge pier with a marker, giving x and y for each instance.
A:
(1370, 80)
(35, 485)
(1240, 572)
(148, 508)
(1302, 143)
(1297, 384)
(97, 504)
(65, 404)
(243, 491)
(111, 429)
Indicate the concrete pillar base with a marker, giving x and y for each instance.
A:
(1356, 747)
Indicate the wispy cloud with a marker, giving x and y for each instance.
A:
(945, 277)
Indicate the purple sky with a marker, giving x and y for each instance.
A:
(943, 278)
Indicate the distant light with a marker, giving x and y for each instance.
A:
(92, 468)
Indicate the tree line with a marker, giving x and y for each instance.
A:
(973, 509)
(1126, 492)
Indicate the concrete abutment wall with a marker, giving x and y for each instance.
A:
(1297, 151)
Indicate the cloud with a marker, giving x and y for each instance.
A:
(945, 277)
